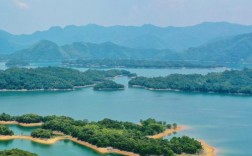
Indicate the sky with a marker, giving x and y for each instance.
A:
(27, 16)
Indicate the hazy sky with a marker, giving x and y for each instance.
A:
(26, 16)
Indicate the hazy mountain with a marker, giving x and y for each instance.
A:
(234, 49)
(146, 36)
(7, 44)
(43, 50)
(237, 49)
(47, 50)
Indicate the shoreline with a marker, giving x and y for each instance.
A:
(168, 132)
(178, 90)
(21, 124)
(38, 90)
(54, 140)
(207, 149)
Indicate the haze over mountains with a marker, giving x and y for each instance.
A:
(205, 42)
(146, 36)
(47, 50)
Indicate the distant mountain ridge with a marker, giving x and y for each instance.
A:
(137, 37)
(50, 51)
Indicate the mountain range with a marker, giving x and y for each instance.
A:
(50, 51)
(224, 47)
(137, 37)
(237, 49)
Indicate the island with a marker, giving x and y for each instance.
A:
(109, 136)
(16, 152)
(108, 85)
(4, 130)
(54, 78)
(16, 63)
(131, 63)
(229, 81)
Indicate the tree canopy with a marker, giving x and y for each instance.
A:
(16, 152)
(51, 78)
(4, 130)
(121, 135)
(233, 81)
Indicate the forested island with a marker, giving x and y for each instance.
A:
(16, 152)
(130, 63)
(124, 136)
(233, 81)
(108, 85)
(54, 78)
(16, 63)
(4, 130)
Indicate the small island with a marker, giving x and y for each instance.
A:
(16, 152)
(4, 130)
(108, 85)
(131, 63)
(53, 78)
(231, 82)
(109, 136)
(16, 63)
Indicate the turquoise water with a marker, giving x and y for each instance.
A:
(62, 148)
(19, 130)
(224, 121)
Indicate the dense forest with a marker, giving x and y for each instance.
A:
(42, 133)
(50, 78)
(16, 152)
(119, 63)
(233, 81)
(117, 134)
(108, 85)
(4, 130)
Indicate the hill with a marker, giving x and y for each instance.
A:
(236, 49)
(47, 50)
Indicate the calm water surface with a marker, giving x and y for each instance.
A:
(224, 121)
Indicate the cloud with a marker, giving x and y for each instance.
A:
(20, 4)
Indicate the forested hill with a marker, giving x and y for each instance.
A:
(143, 37)
(47, 50)
(53, 78)
(237, 49)
(233, 81)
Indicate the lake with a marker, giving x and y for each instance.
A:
(224, 121)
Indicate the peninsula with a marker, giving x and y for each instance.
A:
(53, 78)
(231, 82)
(120, 136)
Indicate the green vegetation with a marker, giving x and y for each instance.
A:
(233, 81)
(108, 85)
(16, 63)
(117, 134)
(28, 118)
(109, 63)
(4, 130)
(51, 78)
(42, 133)
(16, 152)
(6, 117)
(234, 49)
